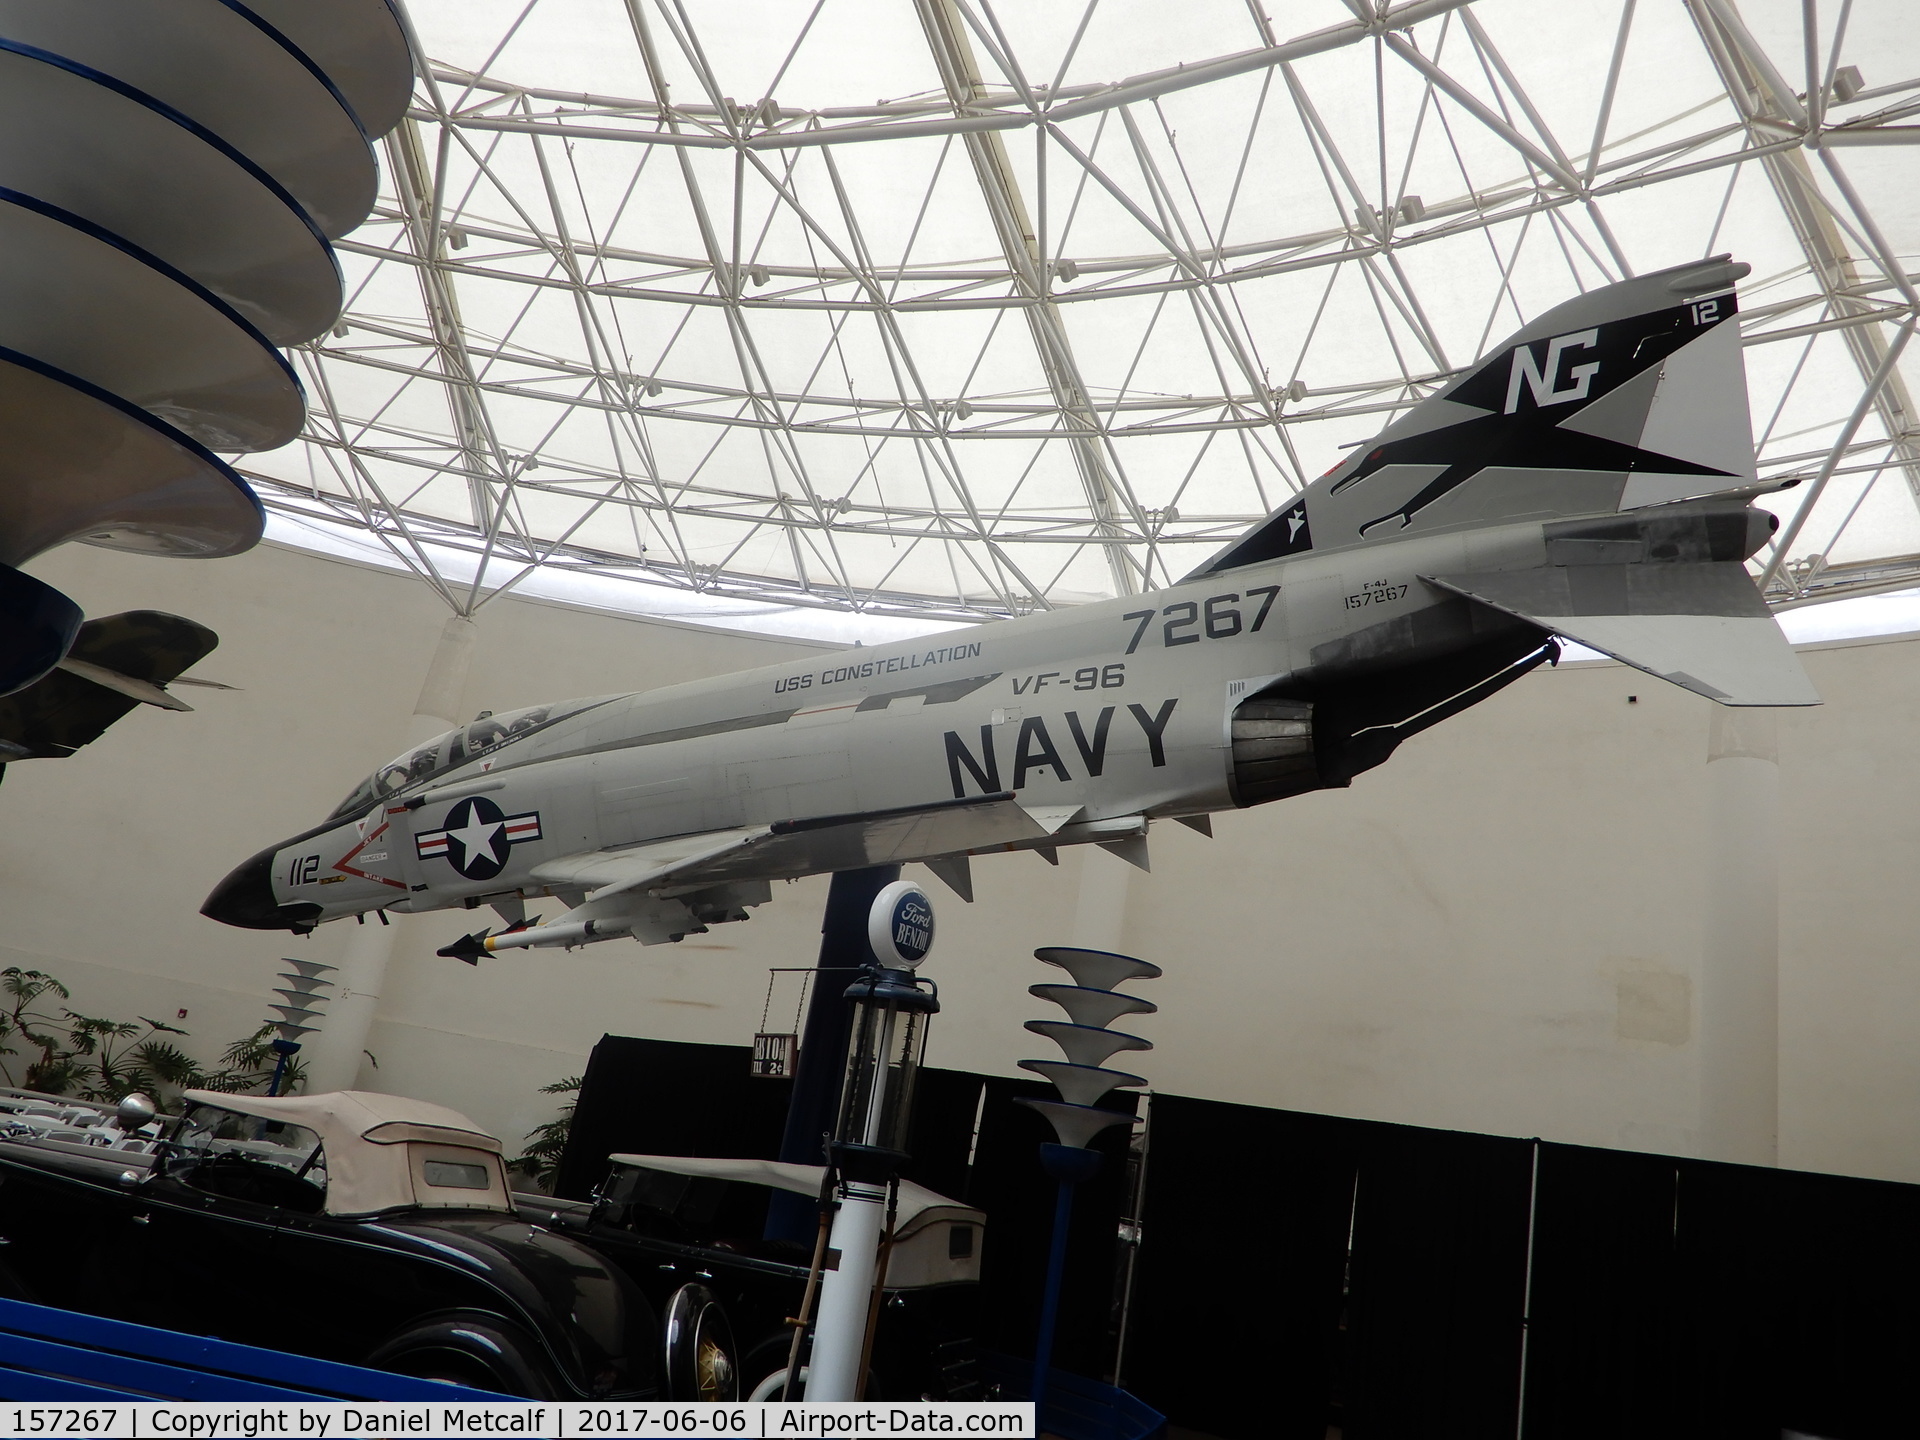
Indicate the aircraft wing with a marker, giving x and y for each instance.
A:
(1701, 626)
(787, 849)
(611, 871)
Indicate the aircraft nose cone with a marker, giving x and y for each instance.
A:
(245, 898)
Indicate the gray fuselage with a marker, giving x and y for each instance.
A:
(1118, 708)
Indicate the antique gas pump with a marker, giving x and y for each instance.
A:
(891, 1006)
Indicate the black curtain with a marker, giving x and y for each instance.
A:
(1370, 1276)
(662, 1097)
(1438, 1284)
(1305, 1271)
(1686, 1298)
(1238, 1314)
(1600, 1346)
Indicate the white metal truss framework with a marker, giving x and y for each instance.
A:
(1027, 335)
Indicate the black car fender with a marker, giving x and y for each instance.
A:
(469, 1347)
(611, 1341)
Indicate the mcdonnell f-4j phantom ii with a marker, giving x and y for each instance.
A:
(1592, 479)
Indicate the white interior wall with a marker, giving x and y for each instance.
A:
(1498, 931)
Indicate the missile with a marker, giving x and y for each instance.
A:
(565, 933)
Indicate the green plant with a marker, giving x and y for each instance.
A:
(539, 1161)
(100, 1059)
(248, 1065)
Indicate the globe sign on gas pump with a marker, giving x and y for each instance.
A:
(900, 925)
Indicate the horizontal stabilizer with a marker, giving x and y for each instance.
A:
(1702, 626)
(116, 663)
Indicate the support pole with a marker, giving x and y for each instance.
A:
(1070, 1165)
(1050, 1297)
(284, 1050)
(1740, 961)
(1100, 906)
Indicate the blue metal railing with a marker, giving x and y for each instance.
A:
(48, 1354)
(1076, 1408)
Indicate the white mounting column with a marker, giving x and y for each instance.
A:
(438, 707)
(334, 1056)
(1100, 907)
(1740, 960)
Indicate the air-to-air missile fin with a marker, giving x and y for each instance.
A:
(1703, 627)
(468, 948)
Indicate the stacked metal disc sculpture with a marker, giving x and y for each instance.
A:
(1087, 1042)
(170, 177)
(302, 989)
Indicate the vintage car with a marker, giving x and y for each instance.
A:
(351, 1226)
(668, 1220)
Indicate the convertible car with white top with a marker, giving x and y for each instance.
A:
(356, 1227)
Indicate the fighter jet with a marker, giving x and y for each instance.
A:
(1590, 480)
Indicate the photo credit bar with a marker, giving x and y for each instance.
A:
(644, 1420)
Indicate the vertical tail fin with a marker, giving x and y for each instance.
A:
(1627, 396)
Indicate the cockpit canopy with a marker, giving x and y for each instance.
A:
(456, 747)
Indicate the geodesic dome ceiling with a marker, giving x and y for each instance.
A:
(937, 310)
